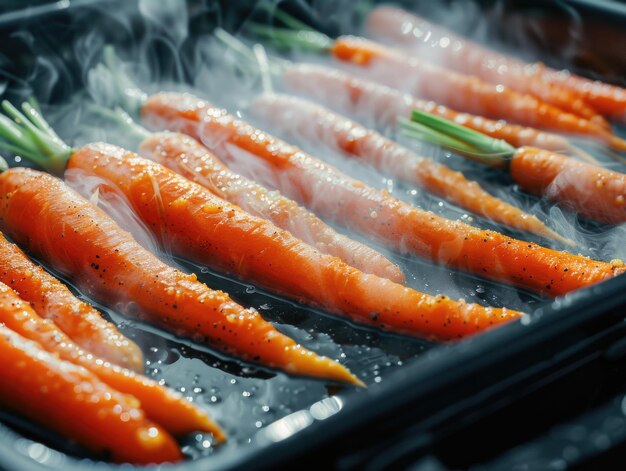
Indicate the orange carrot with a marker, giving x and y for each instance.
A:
(461, 54)
(464, 92)
(72, 401)
(301, 118)
(52, 300)
(372, 102)
(198, 225)
(595, 192)
(375, 213)
(445, 48)
(167, 408)
(192, 160)
(56, 224)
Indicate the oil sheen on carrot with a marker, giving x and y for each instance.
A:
(375, 213)
(73, 402)
(56, 224)
(52, 300)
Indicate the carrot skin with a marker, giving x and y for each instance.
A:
(198, 225)
(189, 158)
(466, 93)
(595, 192)
(71, 400)
(303, 119)
(167, 408)
(55, 223)
(375, 213)
(454, 52)
(52, 300)
(371, 102)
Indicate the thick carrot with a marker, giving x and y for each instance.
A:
(463, 92)
(372, 102)
(198, 225)
(192, 160)
(77, 319)
(72, 401)
(167, 408)
(303, 119)
(375, 213)
(461, 54)
(56, 224)
(445, 48)
(595, 192)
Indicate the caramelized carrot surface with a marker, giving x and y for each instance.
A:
(52, 300)
(464, 92)
(168, 408)
(595, 192)
(198, 225)
(55, 223)
(301, 119)
(72, 401)
(372, 102)
(375, 213)
(189, 158)
(449, 50)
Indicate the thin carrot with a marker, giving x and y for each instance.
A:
(167, 408)
(375, 213)
(72, 401)
(442, 46)
(52, 300)
(595, 192)
(372, 102)
(462, 92)
(303, 119)
(401, 26)
(56, 224)
(189, 158)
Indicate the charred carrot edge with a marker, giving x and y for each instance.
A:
(593, 191)
(303, 119)
(403, 28)
(604, 98)
(373, 102)
(83, 242)
(375, 213)
(53, 300)
(167, 408)
(72, 401)
(423, 79)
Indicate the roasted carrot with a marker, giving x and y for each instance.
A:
(72, 401)
(372, 102)
(303, 119)
(189, 158)
(375, 213)
(55, 223)
(167, 408)
(461, 92)
(462, 54)
(52, 300)
(592, 191)
(449, 50)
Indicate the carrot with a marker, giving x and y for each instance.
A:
(167, 408)
(189, 158)
(592, 191)
(373, 102)
(461, 54)
(52, 300)
(301, 118)
(375, 213)
(454, 52)
(56, 224)
(72, 401)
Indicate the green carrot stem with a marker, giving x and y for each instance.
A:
(123, 120)
(130, 96)
(285, 18)
(306, 40)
